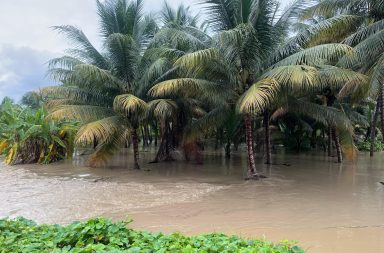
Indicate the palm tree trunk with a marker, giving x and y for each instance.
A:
(330, 141)
(217, 137)
(228, 149)
(249, 140)
(95, 143)
(338, 146)
(156, 133)
(324, 145)
(168, 143)
(135, 143)
(267, 138)
(373, 127)
(149, 135)
(164, 151)
(143, 137)
(381, 96)
(221, 137)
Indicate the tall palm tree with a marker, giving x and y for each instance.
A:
(94, 82)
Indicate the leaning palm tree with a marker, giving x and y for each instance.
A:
(251, 69)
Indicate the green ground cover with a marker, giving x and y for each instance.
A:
(102, 235)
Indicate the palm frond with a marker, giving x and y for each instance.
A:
(171, 54)
(331, 30)
(155, 71)
(124, 54)
(120, 16)
(107, 149)
(130, 106)
(322, 54)
(65, 62)
(347, 82)
(367, 52)
(377, 78)
(82, 43)
(328, 116)
(259, 97)
(211, 120)
(102, 130)
(295, 79)
(191, 87)
(82, 113)
(177, 38)
(328, 8)
(90, 75)
(364, 32)
(76, 95)
(198, 58)
(221, 14)
(162, 109)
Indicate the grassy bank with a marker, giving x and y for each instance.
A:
(102, 235)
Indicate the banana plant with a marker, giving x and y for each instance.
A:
(27, 136)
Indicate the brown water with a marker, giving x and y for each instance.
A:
(327, 207)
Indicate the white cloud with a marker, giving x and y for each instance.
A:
(29, 22)
(22, 69)
(27, 40)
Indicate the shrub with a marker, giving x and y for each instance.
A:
(378, 146)
(102, 235)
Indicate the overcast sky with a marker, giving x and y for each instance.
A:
(27, 42)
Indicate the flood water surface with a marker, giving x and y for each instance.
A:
(325, 206)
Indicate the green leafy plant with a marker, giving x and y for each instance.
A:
(27, 136)
(102, 235)
(378, 146)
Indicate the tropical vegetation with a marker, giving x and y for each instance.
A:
(102, 235)
(26, 135)
(307, 76)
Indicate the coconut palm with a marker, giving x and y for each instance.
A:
(251, 69)
(94, 81)
(32, 99)
(107, 90)
(366, 37)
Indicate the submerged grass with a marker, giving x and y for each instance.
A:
(102, 235)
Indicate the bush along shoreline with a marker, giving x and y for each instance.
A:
(103, 235)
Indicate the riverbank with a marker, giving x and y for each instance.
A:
(327, 207)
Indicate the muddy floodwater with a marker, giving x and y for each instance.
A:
(325, 206)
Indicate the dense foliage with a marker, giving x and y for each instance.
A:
(101, 235)
(27, 136)
(308, 76)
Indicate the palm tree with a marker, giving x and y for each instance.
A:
(94, 82)
(249, 69)
(107, 90)
(366, 37)
(32, 99)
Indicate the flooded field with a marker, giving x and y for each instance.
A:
(327, 207)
